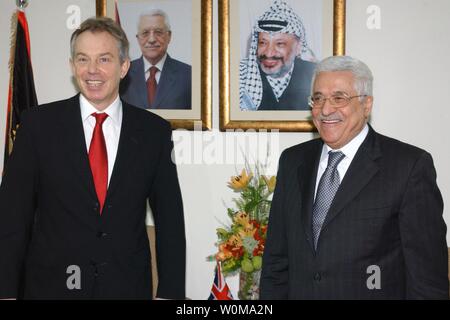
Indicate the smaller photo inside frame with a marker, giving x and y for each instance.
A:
(273, 58)
(165, 53)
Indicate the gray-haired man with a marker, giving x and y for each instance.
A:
(156, 80)
(355, 214)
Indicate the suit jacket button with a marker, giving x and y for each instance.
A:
(101, 234)
(317, 276)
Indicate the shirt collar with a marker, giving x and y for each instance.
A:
(113, 110)
(159, 65)
(350, 148)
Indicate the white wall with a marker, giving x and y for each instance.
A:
(408, 57)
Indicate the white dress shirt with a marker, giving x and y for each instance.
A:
(159, 65)
(111, 127)
(349, 150)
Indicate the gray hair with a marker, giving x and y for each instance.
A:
(153, 13)
(103, 24)
(361, 72)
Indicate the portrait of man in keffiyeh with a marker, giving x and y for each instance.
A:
(273, 76)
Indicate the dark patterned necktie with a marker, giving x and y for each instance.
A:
(328, 185)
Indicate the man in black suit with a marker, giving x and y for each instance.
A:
(73, 198)
(156, 80)
(273, 76)
(355, 214)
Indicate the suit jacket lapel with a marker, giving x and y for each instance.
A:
(75, 141)
(139, 75)
(307, 173)
(362, 169)
(167, 81)
(127, 149)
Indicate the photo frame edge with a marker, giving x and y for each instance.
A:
(225, 123)
(206, 68)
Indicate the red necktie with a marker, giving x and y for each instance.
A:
(151, 86)
(98, 159)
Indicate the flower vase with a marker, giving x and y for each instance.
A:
(249, 285)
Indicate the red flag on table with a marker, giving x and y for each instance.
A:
(220, 290)
(21, 93)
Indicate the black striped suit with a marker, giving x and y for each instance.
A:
(386, 213)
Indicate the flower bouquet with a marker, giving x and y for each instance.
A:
(241, 244)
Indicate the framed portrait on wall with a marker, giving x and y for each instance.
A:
(170, 52)
(267, 53)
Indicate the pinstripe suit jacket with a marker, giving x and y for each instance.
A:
(387, 213)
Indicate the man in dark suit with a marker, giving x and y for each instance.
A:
(155, 80)
(355, 214)
(274, 76)
(73, 197)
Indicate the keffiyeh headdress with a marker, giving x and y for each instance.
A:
(280, 18)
